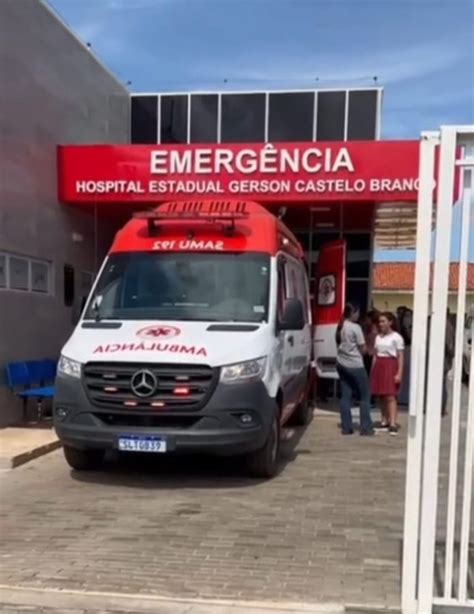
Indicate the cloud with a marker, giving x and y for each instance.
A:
(389, 65)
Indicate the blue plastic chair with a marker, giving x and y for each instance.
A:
(17, 374)
(49, 369)
(35, 372)
(26, 381)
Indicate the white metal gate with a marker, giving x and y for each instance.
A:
(438, 549)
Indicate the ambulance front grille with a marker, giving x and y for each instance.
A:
(178, 387)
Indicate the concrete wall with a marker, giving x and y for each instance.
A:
(53, 91)
(389, 301)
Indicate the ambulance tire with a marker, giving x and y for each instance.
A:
(83, 460)
(303, 413)
(263, 463)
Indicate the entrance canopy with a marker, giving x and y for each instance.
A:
(346, 176)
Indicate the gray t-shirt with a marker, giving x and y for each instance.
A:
(348, 352)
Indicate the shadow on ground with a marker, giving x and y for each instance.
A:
(192, 471)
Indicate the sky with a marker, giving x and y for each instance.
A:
(420, 51)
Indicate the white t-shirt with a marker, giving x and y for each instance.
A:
(389, 345)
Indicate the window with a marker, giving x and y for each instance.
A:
(291, 117)
(358, 265)
(358, 255)
(183, 286)
(174, 119)
(331, 112)
(69, 289)
(358, 241)
(282, 290)
(18, 272)
(243, 118)
(40, 277)
(144, 118)
(204, 118)
(357, 292)
(297, 285)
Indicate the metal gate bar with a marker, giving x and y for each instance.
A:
(456, 411)
(429, 142)
(429, 488)
(469, 450)
(423, 456)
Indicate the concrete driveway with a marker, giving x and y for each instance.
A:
(327, 530)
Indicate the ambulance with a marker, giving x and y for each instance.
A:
(196, 337)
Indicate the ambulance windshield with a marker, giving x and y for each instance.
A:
(228, 287)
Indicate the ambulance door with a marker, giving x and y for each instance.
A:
(286, 338)
(329, 299)
(296, 343)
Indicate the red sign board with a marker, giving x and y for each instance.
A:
(283, 172)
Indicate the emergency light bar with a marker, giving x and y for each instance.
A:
(211, 212)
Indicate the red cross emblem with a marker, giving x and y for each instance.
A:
(158, 332)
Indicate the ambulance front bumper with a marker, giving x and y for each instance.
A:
(236, 419)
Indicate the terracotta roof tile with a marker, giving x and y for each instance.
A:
(401, 276)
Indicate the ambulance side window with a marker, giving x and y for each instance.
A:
(297, 285)
(282, 289)
(304, 292)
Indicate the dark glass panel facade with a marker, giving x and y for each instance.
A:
(144, 119)
(357, 292)
(243, 118)
(174, 119)
(291, 117)
(358, 255)
(358, 264)
(362, 115)
(331, 112)
(204, 118)
(358, 241)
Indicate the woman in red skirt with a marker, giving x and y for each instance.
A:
(387, 369)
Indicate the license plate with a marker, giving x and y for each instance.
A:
(129, 443)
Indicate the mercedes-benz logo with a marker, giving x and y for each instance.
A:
(144, 383)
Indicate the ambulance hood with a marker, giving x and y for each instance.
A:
(211, 343)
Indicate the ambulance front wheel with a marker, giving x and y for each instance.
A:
(83, 460)
(263, 463)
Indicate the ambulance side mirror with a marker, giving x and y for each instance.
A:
(293, 315)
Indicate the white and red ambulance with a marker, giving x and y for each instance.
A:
(196, 337)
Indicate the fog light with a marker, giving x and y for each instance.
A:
(246, 418)
(62, 412)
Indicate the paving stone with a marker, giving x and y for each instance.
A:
(328, 527)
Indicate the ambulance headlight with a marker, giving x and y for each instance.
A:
(250, 370)
(68, 366)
